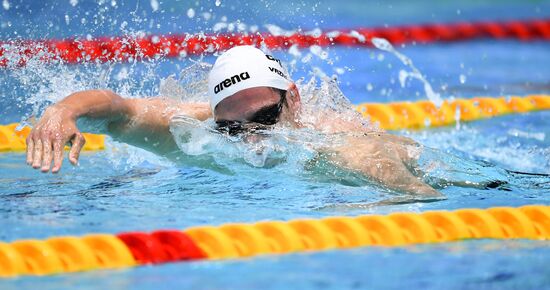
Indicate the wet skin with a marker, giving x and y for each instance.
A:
(145, 123)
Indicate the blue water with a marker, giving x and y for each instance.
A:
(125, 189)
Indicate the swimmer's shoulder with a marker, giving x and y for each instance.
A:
(170, 107)
(198, 110)
(390, 138)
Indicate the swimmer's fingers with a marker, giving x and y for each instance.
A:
(37, 153)
(30, 148)
(57, 155)
(46, 154)
(78, 143)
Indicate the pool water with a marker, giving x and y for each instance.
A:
(127, 189)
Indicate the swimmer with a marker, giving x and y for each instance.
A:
(248, 90)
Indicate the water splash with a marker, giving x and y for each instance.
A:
(190, 86)
(289, 148)
(384, 45)
(326, 99)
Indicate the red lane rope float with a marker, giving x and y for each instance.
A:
(236, 240)
(161, 247)
(126, 48)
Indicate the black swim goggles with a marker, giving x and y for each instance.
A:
(260, 121)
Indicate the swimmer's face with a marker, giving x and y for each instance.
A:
(244, 105)
(250, 107)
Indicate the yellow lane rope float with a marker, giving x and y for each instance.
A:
(106, 251)
(13, 140)
(391, 116)
(421, 114)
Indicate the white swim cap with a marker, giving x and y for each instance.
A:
(244, 67)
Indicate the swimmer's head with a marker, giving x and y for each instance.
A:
(246, 85)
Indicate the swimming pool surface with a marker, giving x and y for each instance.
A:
(126, 189)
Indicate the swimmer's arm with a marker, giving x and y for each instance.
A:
(141, 122)
(379, 161)
(394, 175)
(147, 123)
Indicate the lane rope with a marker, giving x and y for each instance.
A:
(423, 114)
(13, 139)
(127, 48)
(238, 240)
(390, 116)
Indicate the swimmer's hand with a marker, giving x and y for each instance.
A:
(144, 123)
(46, 141)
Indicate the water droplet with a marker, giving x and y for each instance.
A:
(207, 15)
(462, 78)
(6, 4)
(218, 3)
(457, 118)
(403, 75)
(191, 13)
(155, 5)
(318, 51)
(73, 2)
(294, 51)
(361, 38)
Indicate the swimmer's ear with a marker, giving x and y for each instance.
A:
(293, 103)
(293, 97)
